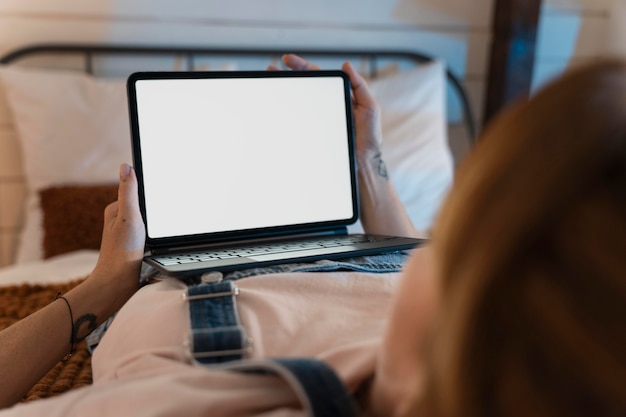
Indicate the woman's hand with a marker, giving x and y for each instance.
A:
(366, 111)
(123, 238)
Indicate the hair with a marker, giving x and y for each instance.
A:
(531, 250)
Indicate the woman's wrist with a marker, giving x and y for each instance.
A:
(371, 162)
(100, 296)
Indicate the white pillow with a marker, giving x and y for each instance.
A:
(74, 130)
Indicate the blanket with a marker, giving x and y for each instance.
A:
(17, 302)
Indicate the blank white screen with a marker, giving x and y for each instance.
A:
(234, 154)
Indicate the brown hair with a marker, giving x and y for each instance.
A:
(531, 247)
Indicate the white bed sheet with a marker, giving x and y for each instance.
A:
(59, 269)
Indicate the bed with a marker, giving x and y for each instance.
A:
(63, 112)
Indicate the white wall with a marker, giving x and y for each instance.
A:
(616, 29)
(575, 32)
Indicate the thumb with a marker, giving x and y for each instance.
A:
(127, 195)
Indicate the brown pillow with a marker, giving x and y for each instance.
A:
(73, 217)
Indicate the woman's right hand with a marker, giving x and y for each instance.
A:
(366, 111)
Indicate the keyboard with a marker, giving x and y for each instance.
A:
(272, 251)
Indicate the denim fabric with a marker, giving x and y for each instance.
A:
(216, 334)
(387, 262)
(93, 338)
(317, 385)
(327, 394)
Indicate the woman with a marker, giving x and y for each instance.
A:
(517, 307)
(530, 256)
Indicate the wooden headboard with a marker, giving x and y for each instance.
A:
(512, 57)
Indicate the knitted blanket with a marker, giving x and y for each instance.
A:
(17, 302)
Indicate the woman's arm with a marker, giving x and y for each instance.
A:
(32, 346)
(382, 212)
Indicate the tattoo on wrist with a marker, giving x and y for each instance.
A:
(380, 166)
(89, 320)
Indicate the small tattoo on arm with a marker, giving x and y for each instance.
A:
(91, 323)
(380, 165)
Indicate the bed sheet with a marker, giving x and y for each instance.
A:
(59, 269)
